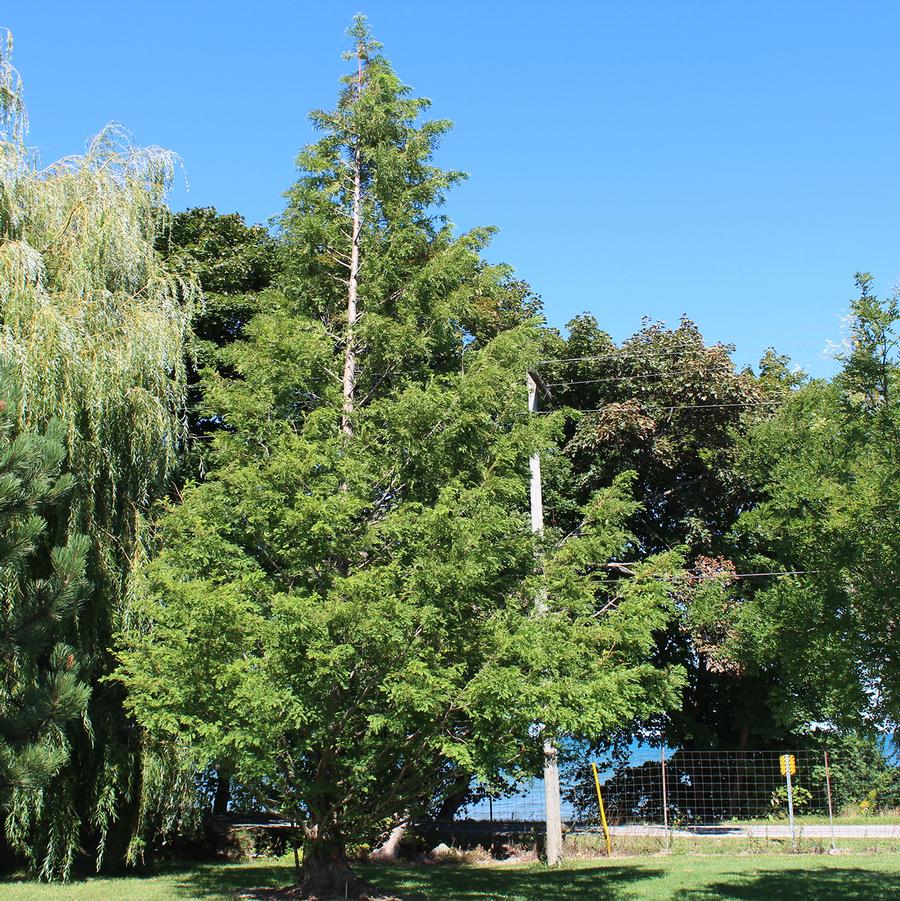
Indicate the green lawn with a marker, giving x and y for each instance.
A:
(851, 877)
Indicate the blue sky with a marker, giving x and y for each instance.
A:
(734, 161)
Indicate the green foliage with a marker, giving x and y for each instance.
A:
(41, 587)
(828, 472)
(227, 255)
(337, 648)
(643, 396)
(870, 357)
(778, 803)
(865, 778)
(646, 399)
(235, 265)
(342, 619)
(94, 327)
(425, 292)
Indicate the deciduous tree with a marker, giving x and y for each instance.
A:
(671, 408)
(827, 468)
(94, 327)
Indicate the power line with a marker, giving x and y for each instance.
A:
(626, 568)
(783, 572)
(656, 376)
(756, 403)
(626, 354)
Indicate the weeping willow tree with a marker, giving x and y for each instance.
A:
(95, 327)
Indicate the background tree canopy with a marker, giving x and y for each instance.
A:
(827, 472)
(672, 409)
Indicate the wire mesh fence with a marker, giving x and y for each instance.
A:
(523, 804)
(663, 795)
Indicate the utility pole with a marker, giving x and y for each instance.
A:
(551, 756)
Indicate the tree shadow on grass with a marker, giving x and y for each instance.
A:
(831, 884)
(224, 881)
(461, 883)
(438, 883)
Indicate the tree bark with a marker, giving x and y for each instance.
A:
(389, 851)
(326, 872)
(222, 795)
(457, 795)
(349, 380)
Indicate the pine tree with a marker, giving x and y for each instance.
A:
(40, 589)
(342, 613)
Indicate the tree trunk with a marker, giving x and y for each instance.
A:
(326, 872)
(457, 795)
(389, 851)
(349, 380)
(222, 796)
(744, 735)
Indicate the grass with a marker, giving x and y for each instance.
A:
(850, 877)
(655, 879)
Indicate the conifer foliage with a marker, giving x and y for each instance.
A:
(40, 589)
(344, 610)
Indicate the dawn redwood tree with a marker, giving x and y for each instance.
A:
(368, 256)
(93, 327)
(345, 607)
(41, 586)
(335, 626)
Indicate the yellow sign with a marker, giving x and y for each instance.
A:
(787, 760)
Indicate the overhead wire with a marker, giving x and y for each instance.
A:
(654, 376)
(784, 572)
(625, 567)
(626, 350)
(627, 354)
(756, 403)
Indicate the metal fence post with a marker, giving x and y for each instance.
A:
(790, 794)
(830, 808)
(665, 798)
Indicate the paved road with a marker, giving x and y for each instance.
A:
(780, 830)
(765, 830)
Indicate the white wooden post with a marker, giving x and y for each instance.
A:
(552, 805)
